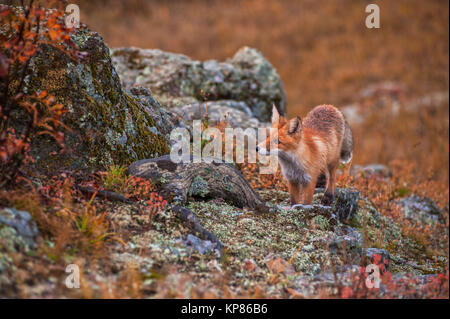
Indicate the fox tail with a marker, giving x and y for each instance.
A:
(347, 146)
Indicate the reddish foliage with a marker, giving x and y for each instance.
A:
(141, 189)
(37, 112)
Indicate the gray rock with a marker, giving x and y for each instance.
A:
(367, 170)
(109, 126)
(421, 209)
(200, 245)
(236, 113)
(21, 222)
(345, 203)
(177, 80)
(347, 243)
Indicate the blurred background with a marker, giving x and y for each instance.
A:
(392, 81)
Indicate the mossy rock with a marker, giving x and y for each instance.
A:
(109, 126)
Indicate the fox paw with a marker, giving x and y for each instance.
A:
(327, 199)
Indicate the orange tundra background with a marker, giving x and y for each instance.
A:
(324, 54)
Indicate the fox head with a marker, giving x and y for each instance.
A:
(289, 134)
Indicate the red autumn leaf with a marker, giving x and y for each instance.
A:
(249, 265)
(376, 258)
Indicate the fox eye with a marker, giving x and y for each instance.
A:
(276, 141)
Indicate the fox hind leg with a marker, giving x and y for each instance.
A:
(328, 196)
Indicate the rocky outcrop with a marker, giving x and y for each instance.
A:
(109, 125)
(177, 80)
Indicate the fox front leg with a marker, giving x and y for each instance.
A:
(308, 192)
(294, 193)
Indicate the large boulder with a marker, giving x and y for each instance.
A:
(110, 125)
(177, 80)
(421, 209)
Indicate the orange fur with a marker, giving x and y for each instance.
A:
(309, 148)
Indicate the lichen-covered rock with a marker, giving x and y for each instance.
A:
(291, 245)
(342, 284)
(17, 229)
(420, 209)
(18, 233)
(177, 80)
(200, 245)
(347, 242)
(371, 169)
(165, 120)
(110, 126)
(345, 203)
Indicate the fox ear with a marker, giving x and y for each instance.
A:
(295, 125)
(275, 116)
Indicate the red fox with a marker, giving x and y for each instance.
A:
(306, 149)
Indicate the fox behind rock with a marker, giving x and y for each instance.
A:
(310, 148)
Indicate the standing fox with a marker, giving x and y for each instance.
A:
(306, 149)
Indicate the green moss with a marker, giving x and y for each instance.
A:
(129, 123)
(152, 145)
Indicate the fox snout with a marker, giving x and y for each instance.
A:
(262, 150)
(265, 147)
